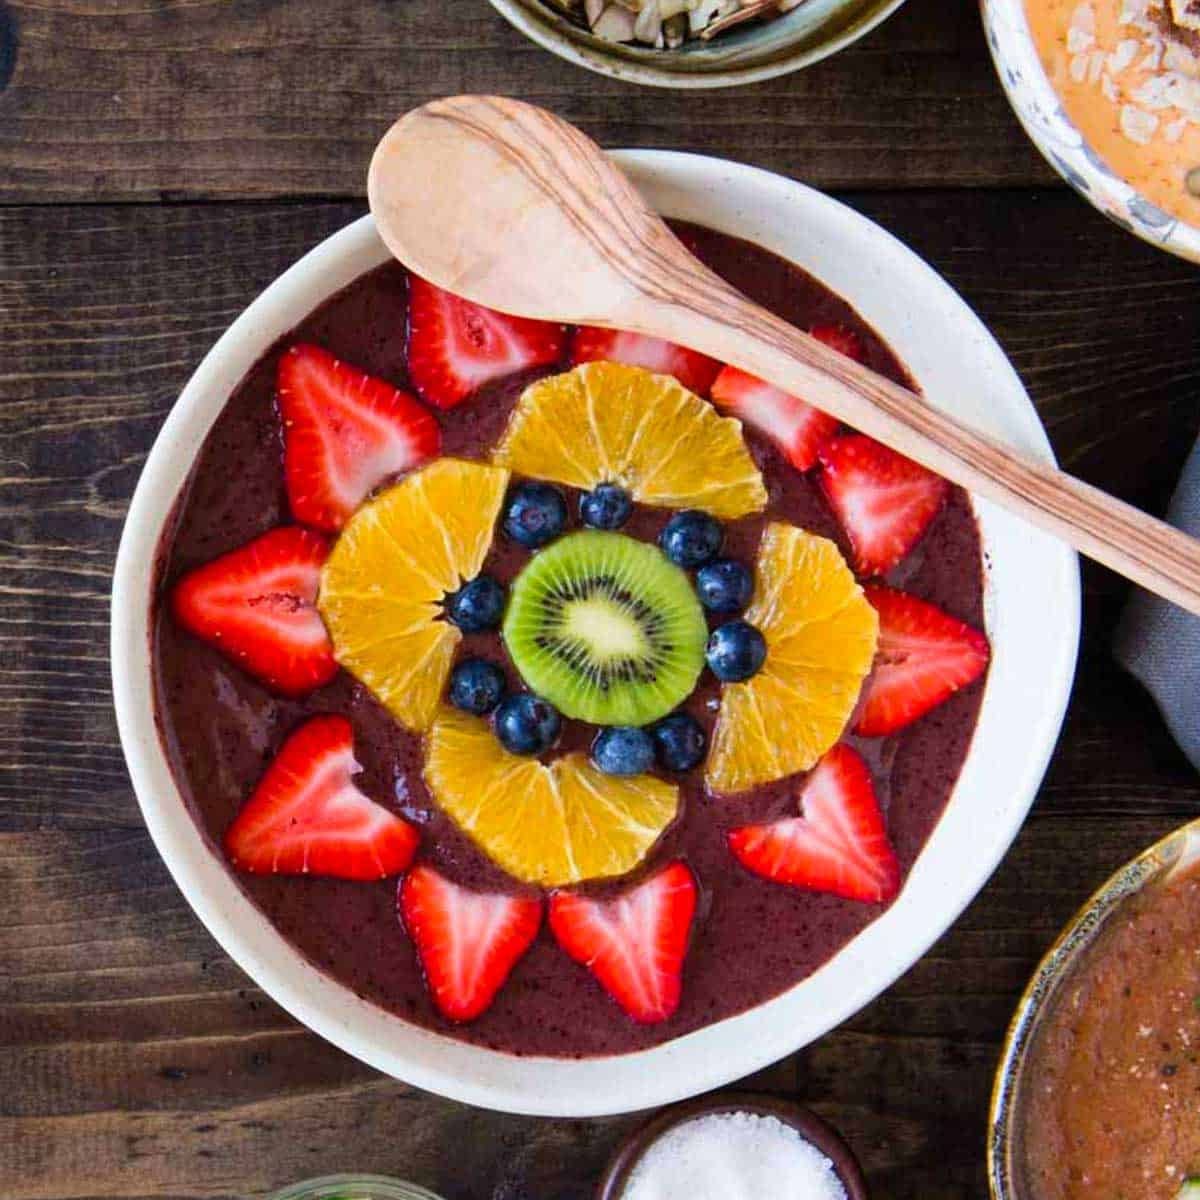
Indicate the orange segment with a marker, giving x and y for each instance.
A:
(608, 423)
(549, 824)
(383, 583)
(820, 633)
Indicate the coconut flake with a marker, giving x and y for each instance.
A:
(1138, 126)
(1123, 55)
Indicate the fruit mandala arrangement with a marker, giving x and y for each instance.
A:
(381, 574)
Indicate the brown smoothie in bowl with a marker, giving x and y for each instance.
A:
(1112, 1097)
(751, 939)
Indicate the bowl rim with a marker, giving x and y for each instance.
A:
(813, 1128)
(550, 32)
(1175, 850)
(1026, 693)
(1038, 108)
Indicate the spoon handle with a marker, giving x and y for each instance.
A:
(711, 317)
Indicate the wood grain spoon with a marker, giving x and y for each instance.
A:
(509, 206)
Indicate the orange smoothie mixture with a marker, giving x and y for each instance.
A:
(1112, 1106)
(1128, 74)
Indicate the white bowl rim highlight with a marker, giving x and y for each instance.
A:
(1033, 621)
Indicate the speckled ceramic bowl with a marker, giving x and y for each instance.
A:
(1177, 851)
(354, 1187)
(1037, 106)
(809, 33)
(614, 1182)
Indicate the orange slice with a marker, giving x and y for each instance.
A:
(608, 423)
(383, 583)
(545, 823)
(821, 634)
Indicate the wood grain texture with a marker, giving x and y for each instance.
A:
(111, 99)
(136, 1061)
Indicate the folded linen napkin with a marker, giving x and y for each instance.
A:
(1159, 643)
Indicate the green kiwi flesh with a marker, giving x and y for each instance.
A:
(606, 628)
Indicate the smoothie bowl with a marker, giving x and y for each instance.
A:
(559, 721)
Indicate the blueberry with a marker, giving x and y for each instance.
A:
(535, 514)
(527, 724)
(736, 650)
(623, 750)
(680, 742)
(691, 538)
(724, 586)
(606, 506)
(476, 686)
(477, 605)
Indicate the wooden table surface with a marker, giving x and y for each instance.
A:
(160, 162)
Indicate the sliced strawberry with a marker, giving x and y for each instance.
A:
(844, 341)
(343, 434)
(455, 347)
(923, 657)
(694, 370)
(883, 500)
(257, 604)
(635, 944)
(795, 427)
(306, 817)
(468, 942)
(839, 845)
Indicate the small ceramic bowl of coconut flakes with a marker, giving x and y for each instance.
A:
(734, 1146)
(1109, 91)
(694, 43)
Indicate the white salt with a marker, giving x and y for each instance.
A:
(733, 1156)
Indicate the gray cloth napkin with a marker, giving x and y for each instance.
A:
(1159, 643)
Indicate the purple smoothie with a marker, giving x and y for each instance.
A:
(752, 939)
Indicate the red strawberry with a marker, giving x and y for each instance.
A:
(844, 341)
(257, 604)
(923, 658)
(839, 845)
(306, 817)
(694, 370)
(884, 501)
(795, 427)
(635, 944)
(455, 347)
(468, 942)
(343, 434)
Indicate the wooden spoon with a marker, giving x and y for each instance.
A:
(509, 206)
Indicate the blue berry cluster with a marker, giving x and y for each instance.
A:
(535, 514)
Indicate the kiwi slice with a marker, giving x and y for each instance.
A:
(606, 628)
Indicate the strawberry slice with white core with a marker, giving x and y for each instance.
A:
(884, 501)
(634, 944)
(257, 605)
(694, 370)
(455, 347)
(306, 817)
(922, 658)
(468, 942)
(838, 845)
(798, 429)
(344, 433)
(844, 341)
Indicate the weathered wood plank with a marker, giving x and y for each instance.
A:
(211, 99)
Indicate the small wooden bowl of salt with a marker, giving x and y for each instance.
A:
(734, 1146)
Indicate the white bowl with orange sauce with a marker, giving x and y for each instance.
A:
(1096, 111)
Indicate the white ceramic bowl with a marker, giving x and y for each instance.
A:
(1040, 111)
(1032, 619)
